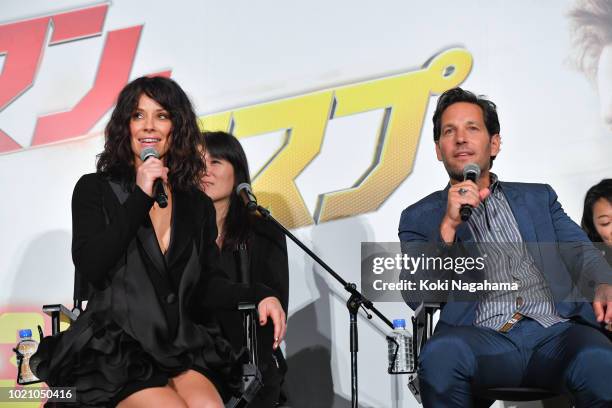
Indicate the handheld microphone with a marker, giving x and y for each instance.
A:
(471, 171)
(158, 186)
(245, 192)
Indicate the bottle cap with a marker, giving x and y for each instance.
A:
(397, 323)
(25, 333)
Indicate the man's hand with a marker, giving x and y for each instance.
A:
(271, 307)
(466, 192)
(602, 304)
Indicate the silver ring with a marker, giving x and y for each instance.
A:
(462, 191)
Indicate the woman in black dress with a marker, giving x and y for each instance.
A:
(226, 168)
(147, 337)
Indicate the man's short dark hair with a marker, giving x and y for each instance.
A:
(489, 109)
(455, 95)
(591, 31)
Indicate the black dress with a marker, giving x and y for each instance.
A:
(267, 249)
(139, 328)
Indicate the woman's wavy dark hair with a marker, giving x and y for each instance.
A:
(603, 189)
(222, 145)
(182, 159)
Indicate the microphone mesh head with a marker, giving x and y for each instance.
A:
(471, 170)
(243, 186)
(148, 152)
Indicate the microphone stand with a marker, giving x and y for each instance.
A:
(355, 301)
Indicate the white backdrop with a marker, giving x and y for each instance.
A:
(236, 54)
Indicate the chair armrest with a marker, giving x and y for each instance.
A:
(247, 306)
(426, 309)
(59, 313)
(422, 327)
(422, 323)
(249, 323)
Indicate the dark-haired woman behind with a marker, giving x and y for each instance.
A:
(597, 216)
(147, 337)
(226, 168)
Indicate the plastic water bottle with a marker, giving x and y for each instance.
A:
(399, 347)
(25, 348)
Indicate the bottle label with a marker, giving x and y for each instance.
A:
(401, 360)
(25, 349)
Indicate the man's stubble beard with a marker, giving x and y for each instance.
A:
(454, 175)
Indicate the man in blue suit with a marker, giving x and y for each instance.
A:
(540, 335)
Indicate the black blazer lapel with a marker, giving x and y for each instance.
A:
(145, 234)
(183, 225)
(148, 240)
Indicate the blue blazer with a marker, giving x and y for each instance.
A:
(540, 219)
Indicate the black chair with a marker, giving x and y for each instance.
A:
(251, 375)
(252, 380)
(60, 313)
(422, 325)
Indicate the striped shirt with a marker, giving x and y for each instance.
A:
(508, 260)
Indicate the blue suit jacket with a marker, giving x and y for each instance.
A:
(540, 219)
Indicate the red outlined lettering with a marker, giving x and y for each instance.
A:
(78, 24)
(7, 144)
(23, 43)
(113, 72)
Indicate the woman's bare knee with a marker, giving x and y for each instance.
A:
(154, 397)
(196, 390)
(202, 401)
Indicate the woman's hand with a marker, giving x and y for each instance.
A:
(148, 172)
(602, 305)
(271, 307)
